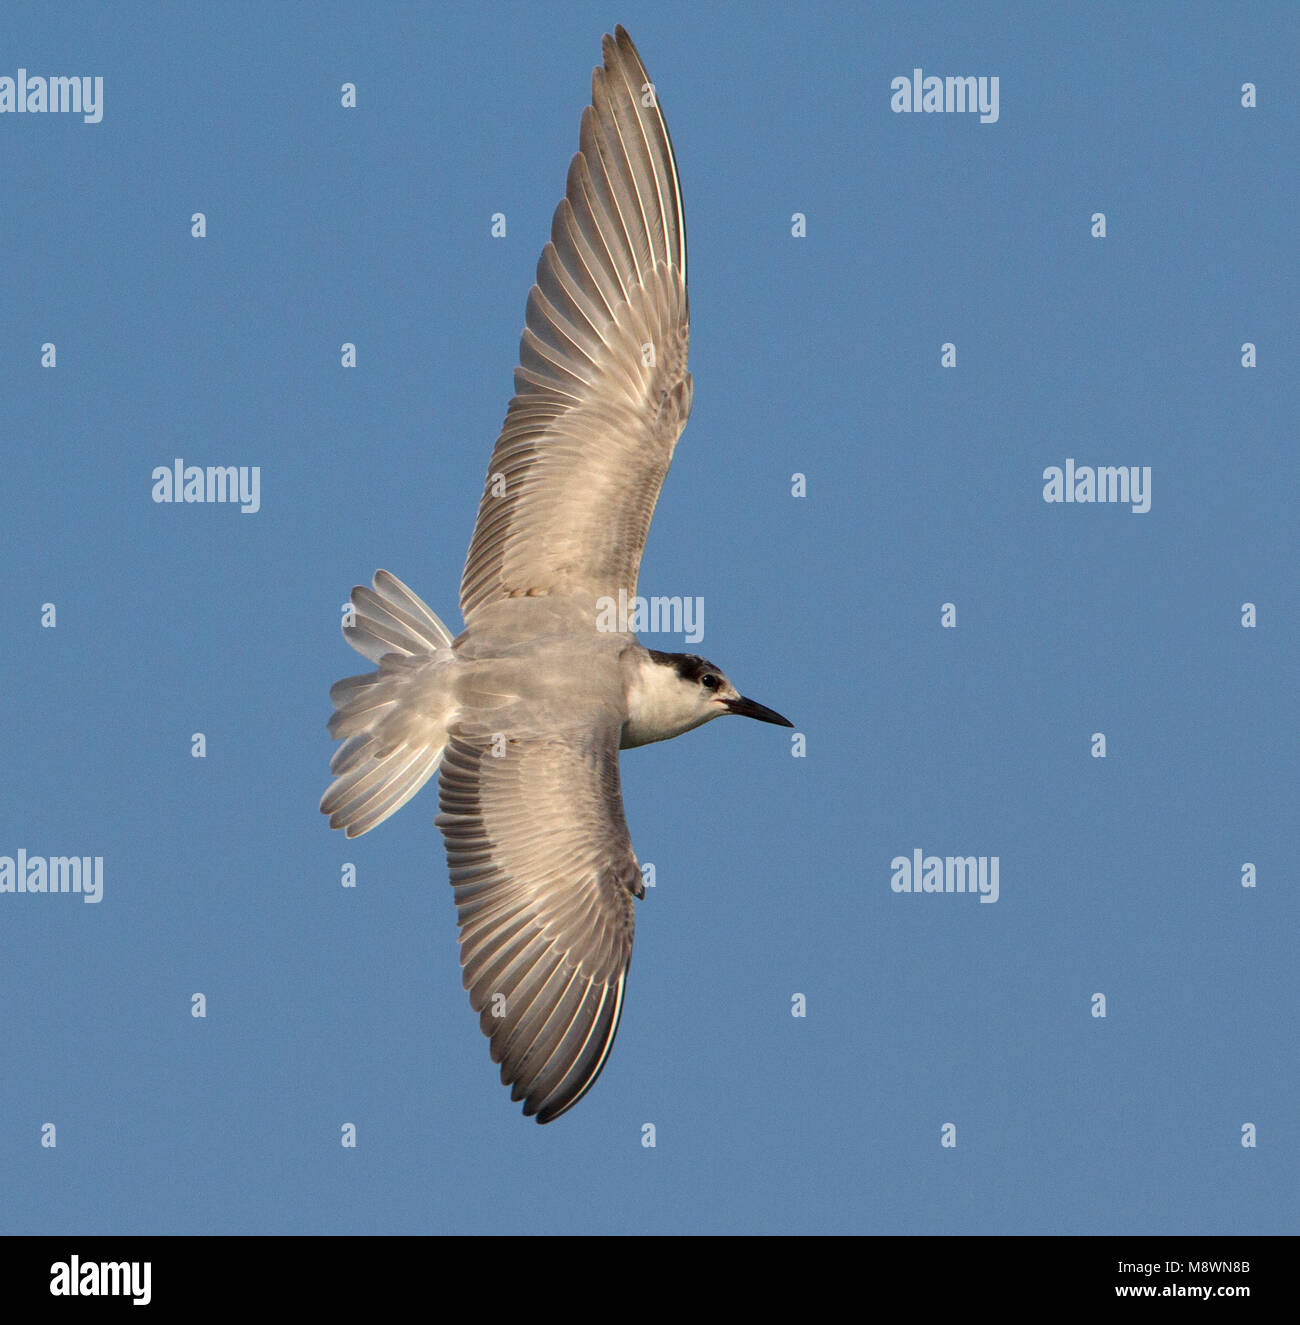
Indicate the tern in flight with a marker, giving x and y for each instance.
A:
(526, 710)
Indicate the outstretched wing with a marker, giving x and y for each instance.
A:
(601, 391)
(544, 877)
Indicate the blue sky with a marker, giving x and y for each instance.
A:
(817, 355)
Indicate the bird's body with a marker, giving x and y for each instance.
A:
(523, 714)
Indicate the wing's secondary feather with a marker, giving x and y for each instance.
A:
(602, 392)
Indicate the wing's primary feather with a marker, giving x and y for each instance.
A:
(601, 392)
(544, 876)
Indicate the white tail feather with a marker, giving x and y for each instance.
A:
(393, 722)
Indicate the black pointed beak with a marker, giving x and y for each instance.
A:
(747, 708)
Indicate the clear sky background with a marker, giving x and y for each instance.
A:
(818, 356)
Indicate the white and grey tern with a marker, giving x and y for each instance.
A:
(524, 712)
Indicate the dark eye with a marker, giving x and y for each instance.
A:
(710, 682)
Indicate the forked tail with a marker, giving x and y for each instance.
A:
(393, 722)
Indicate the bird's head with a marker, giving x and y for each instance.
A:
(673, 693)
